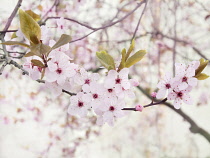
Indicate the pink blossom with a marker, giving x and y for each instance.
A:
(180, 95)
(114, 78)
(165, 85)
(184, 74)
(79, 104)
(59, 68)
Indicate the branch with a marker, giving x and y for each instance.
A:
(194, 128)
(134, 34)
(111, 24)
(12, 16)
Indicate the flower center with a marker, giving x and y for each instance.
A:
(95, 96)
(87, 81)
(80, 104)
(184, 79)
(59, 71)
(110, 90)
(118, 81)
(111, 108)
(168, 86)
(180, 94)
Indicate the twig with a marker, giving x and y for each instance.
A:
(148, 105)
(111, 24)
(194, 128)
(137, 26)
(12, 16)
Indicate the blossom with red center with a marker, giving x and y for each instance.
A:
(180, 95)
(59, 69)
(185, 75)
(79, 104)
(164, 86)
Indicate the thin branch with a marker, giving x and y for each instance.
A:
(111, 24)
(148, 105)
(12, 16)
(137, 26)
(194, 128)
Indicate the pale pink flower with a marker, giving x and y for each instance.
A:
(111, 111)
(180, 95)
(184, 74)
(114, 78)
(84, 77)
(164, 86)
(79, 104)
(59, 68)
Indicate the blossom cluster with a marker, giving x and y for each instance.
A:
(178, 88)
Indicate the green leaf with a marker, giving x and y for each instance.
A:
(35, 16)
(44, 49)
(135, 58)
(64, 39)
(15, 43)
(34, 39)
(106, 60)
(28, 25)
(37, 63)
(202, 76)
(122, 63)
(203, 64)
(29, 54)
(40, 49)
(130, 49)
(14, 35)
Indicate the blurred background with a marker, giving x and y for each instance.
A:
(33, 124)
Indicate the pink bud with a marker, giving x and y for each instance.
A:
(139, 108)
(153, 94)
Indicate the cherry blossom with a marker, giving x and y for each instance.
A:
(79, 104)
(112, 110)
(180, 95)
(165, 85)
(59, 68)
(184, 74)
(114, 78)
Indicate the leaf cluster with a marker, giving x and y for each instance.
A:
(126, 60)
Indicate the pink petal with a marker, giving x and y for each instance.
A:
(192, 81)
(161, 93)
(182, 85)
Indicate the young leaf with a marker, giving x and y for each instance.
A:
(34, 39)
(14, 35)
(122, 63)
(203, 64)
(15, 43)
(37, 63)
(135, 58)
(28, 25)
(106, 60)
(130, 49)
(44, 49)
(64, 39)
(29, 54)
(35, 16)
(202, 76)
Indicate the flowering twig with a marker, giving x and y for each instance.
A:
(148, 105)
(194, 128)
